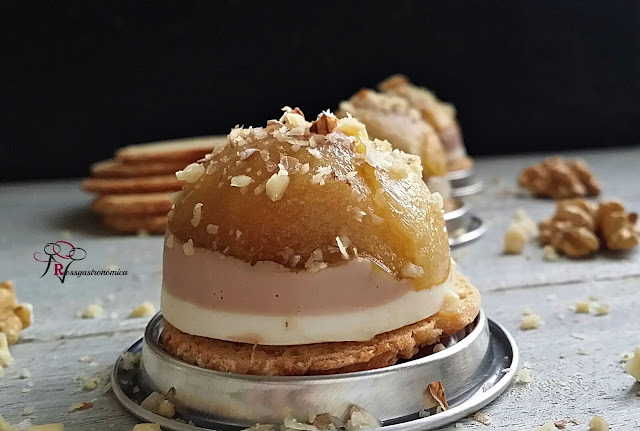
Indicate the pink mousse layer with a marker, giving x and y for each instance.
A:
(211, 280)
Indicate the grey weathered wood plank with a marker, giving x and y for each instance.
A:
(565, 383)
(58, 370)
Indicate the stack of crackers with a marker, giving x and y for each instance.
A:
(133, 188)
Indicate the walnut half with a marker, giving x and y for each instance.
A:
(618, 229)
(578, 227)
(558, 178)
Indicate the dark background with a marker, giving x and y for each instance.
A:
(79, 79)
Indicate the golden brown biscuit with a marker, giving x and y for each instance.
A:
(135, 224)
(117, 169)
(140, 204)
(188, 150)
(160, 183)
(327, 358)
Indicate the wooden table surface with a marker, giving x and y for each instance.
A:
(574, 358)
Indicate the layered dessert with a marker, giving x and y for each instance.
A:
(392, 118)
(305, 248)
(441, 115)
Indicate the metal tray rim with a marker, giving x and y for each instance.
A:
(482, 321)
(430, 422)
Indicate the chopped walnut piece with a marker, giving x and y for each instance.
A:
(598, 424)
(435, 393)
(602, 309)
(6, 359)
(191, 173)
(574, 241)
(558, 178)
(143, 310)
(632, 365)
(578, 228)
(514, 239)
(79, 406)
(523, 376)
(92, 311)
(530, 321)
(14, 317)
(483, 418)
(583, 307)
(276, 185)
(325, 124)
(617, 228)
(549, 253)
(561, 424)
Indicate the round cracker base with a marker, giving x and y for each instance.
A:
(117, 169)
(133, 204)
(134, 224)
(161, 183)
(326, 358)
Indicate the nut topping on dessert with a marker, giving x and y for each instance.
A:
(363, 180)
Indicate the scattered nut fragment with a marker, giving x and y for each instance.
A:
(583, 307)
(14, 317)
(617, 228)
(530, 321)
(91, 384)
(276, 185)
(514, 239)
(549, 253)
(558, 178)
(561, 424)
(146, 427)
(571, 240)
(519, 232)
(6, 360)
(602, 309)
(188, 248)
(360, 419)
(79, 406)
(483, 418)
(598, 424)
(159, 404)
(523, 376)
(548, 426)
(632, 366)
(191, 173)
(434, 396)
(325, 124)
(570, 230)
(92, 311)
(438, 348)
(130, 360)
(143, 310)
